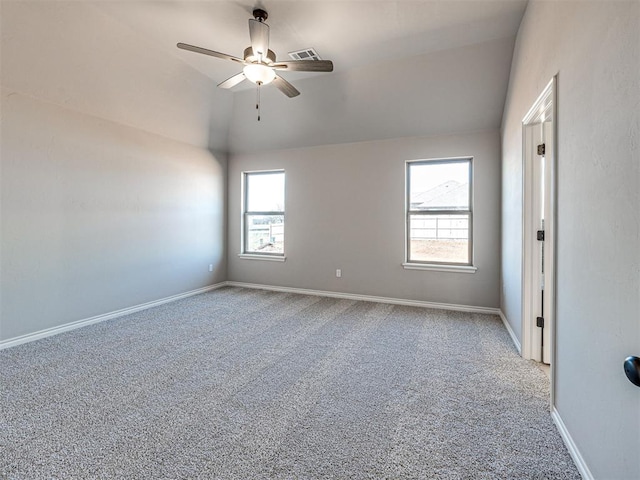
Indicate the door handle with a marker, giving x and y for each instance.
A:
(632, 370)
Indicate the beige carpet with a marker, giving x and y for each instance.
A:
(241, 384)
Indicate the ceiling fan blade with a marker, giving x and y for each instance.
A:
(259, 33)
(285, 87)
(305, 66)
(205, 51)
(232, 81)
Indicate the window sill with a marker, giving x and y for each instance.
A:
(268, 258)
(440, 268)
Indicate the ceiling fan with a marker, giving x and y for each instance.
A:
(260, 63)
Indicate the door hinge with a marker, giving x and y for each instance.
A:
(541, 149)
(540, 322)
(540, 235)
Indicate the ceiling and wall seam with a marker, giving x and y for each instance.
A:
(9, 92)
(216, 148)
(373, 141)
(88, 61)
(447, 92)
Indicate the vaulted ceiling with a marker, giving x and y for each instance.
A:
(402, 68)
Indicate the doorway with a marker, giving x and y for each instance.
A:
(539, 228)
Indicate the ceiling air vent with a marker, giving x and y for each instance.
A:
(306, 54)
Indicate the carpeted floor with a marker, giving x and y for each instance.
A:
(243, 384)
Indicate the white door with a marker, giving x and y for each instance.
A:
(539, 239)
(547, 245)
(543, 145)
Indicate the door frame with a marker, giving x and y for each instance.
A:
(543, 108)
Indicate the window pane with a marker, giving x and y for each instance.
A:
(265, 234)
(439, 238)
(265, 192)
(442, 186)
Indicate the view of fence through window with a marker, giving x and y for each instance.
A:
(439, 211)
(264, 213)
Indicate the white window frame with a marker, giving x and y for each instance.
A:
(410, 264)
(255, 255)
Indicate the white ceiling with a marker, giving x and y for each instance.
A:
(350, 33)
(402, 68)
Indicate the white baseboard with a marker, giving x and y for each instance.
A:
(571, 446)
(370, 298)
(30, 337)
(514, 338)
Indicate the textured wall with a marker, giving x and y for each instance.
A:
(97, 216)
(594, 48)
(345, 209)
(110, 195)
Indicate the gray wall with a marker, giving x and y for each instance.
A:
(110, 195)
(96, 216)
(594, 47)
(345, 209)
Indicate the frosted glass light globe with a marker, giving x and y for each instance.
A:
(259, 73)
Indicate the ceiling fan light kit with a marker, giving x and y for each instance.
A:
(259, 74)
(260, 63)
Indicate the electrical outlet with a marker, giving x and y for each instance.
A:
(338, 273)
(211, 267)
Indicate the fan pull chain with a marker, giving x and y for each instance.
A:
(258, 100)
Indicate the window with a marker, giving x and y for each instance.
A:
(439, 214)
(263, 213)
